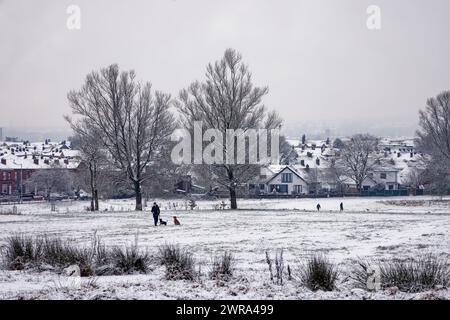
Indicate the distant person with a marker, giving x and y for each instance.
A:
(318, 207)
(155, 211)
(341, 207)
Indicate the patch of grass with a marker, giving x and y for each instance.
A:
(21, 252)
(129, 260)
(222, 267)
(415, 275)
(319, 273)
(279, 267)
(179, 263)
(62, 254)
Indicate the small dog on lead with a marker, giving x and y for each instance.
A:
(176, 221)
(162, 222)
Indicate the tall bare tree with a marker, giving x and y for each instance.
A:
(434, 139)
(94, 161)
(357, 159)
(132, 122)
(227, 99)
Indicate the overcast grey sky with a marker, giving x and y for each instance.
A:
(321, 63)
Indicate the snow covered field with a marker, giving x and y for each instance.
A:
(374, 228)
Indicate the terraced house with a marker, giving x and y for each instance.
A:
(18, 162)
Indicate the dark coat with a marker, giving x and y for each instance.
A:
(155, 210)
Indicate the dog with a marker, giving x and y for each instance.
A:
(176, 221)
(162, 222)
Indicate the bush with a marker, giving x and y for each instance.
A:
(319, 274)
(63, 254)
(130, 260)
(179, 262)
(415, 276)
(21, 252)
(222, 267)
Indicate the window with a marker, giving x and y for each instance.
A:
(298, 189)
(5, 175)
(279, 188)
(262, 186)
(286, 177)
(382, 175)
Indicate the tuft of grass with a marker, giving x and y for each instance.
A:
(21, 252)
(62, 254)
(279, 267)
(222, 267)
(415, 275)
(179, 263)
(319, 273)
(129, 260)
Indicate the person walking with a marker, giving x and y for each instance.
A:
(341, 207)
(318, 207)
(155, 212)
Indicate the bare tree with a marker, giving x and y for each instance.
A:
(357, 159)
(433, 138)
(132, 122)
(54, 179)
(434, 134)
(163, 173)
(227, 99)
(288, 155)
(94, 161)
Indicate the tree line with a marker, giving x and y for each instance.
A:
(123, 130)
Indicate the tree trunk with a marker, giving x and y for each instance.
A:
(91, 175)
(138, 191)
(96, 206)
(233, 198)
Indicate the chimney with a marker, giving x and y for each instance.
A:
(307, 167)
(4, 162)
(302, 162)
(399, 154)
(411, 154)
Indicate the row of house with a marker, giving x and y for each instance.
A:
(310, 171)
(19, 160)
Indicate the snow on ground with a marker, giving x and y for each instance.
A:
(374, 228)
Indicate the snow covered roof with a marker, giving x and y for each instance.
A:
(37, 155)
